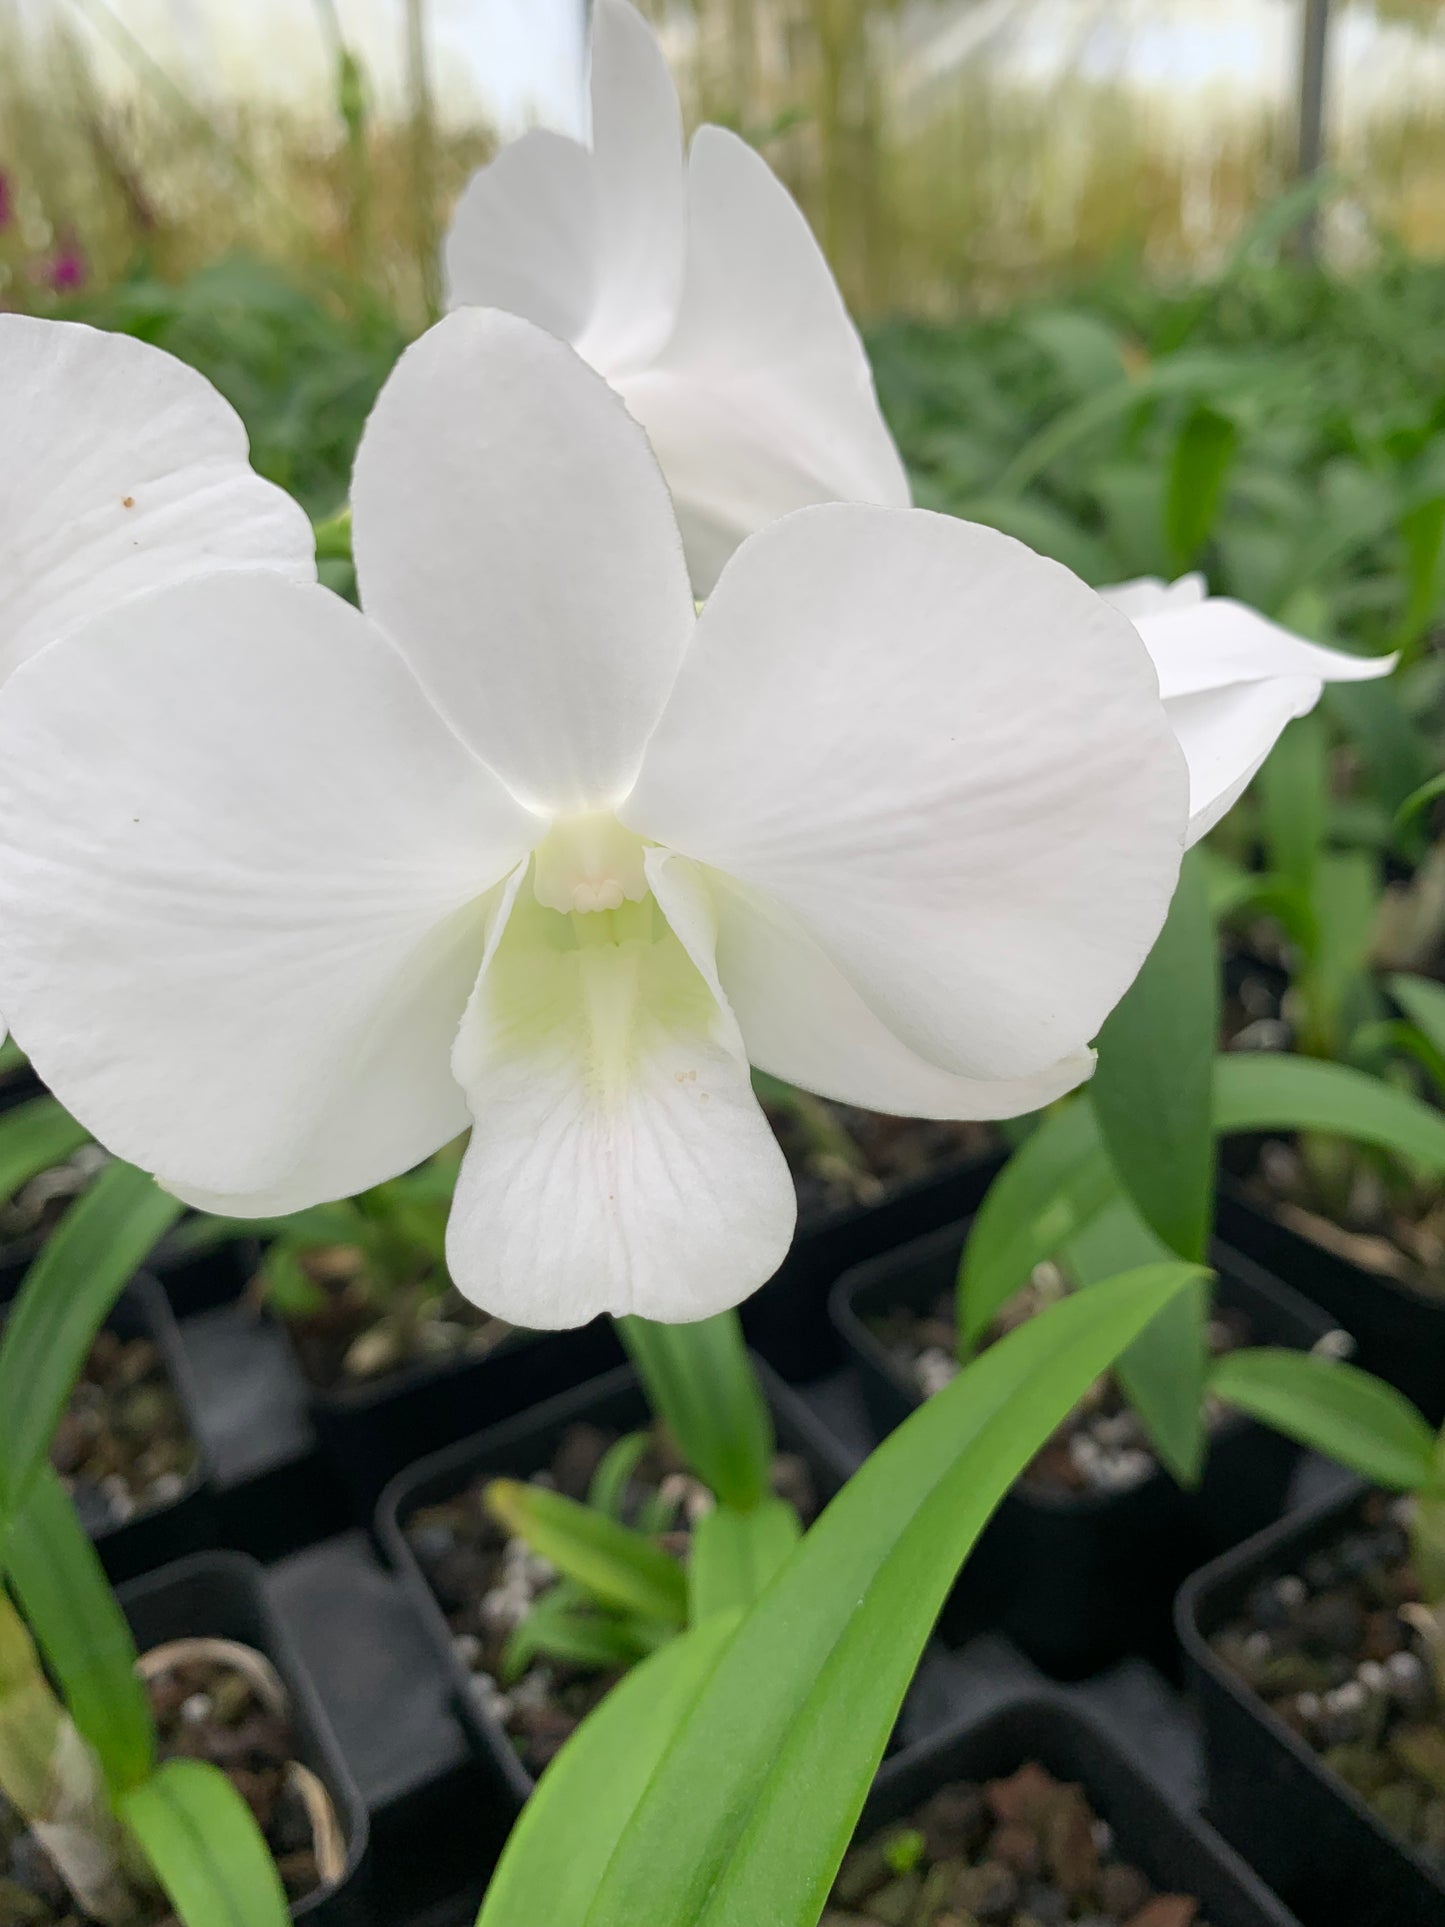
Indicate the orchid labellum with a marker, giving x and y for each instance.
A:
(290, 895)
(694, 285)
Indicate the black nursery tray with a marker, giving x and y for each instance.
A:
(517, 1449)
(223, 1596)
(1178, 1851)
(1078, 1581)
(1270, 1793)
(1399, 1331)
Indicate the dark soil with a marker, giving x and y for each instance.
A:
(1101, 1446)
(841, 1158)
(1368, 1223)
(361, 1337)
(204, 1710)
(122, 1445)
(1028, 1851)
(1332, 1650)
(487, 1583)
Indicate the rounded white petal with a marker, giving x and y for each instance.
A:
(124, 470)
(1226, 735)
(763, 400)
(803, 1021)
(638, 165)
(1216, 642)
(514, 537)
(524, 235)
(1148, 594)
(242, 864)
(619, 1161)
(947, 759)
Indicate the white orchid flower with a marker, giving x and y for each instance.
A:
(123, 470)
(696, 287)
(1231, 680)
(290, 893)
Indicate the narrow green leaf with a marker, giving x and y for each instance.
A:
(33, 1138)
(735, 1554)
(1262, 1091)
(610, 1481)
(84, 1266)
(1423, 1002)
(1163, 1373)
(205, 1847)
(701, 1384)
(562, 1625)
(1294, 789)
(1333, 1408)
(560, 1847)
(1419, 800)
(1374, 717)
(1334, 979)
(751, 1807)
(613, 1563)
(1057, 1180)
(57, 1577)
(1199, 468)
(1153, 1090)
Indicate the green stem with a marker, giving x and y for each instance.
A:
(701, 1384)
(53, 1780)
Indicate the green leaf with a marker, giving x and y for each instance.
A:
(1163, 1372)
(1334, 978)
(1058, 1179)
(1377, 723)
(735, 1554)
(87, 1261)
(1419, 800)
(1294, 790)
(1332, 1408)
(1153, 1090)
(1262, 1091)
(1423, 1002)
(289, 1288)
(559, 1849)
(1203, 456)
(613, 1475)
(563, 1625)
(610, 1561)
(34, 1137)
(56, 1575)
(205, 1847)
(701, 1384)
(751, 1807)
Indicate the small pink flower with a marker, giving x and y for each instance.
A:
(66, 270)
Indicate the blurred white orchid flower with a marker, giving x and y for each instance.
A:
(123, 470)
(1231, 680)
(288, 891)
(696, 287)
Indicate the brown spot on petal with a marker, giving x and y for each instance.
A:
(127, 501)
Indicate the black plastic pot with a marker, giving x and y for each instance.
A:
(518, 1449)
(373, 1430)
(787, 1321)
(1178, 1851)
(187, 1523)
(223, 1596)
(1399, 1331)
(1293, 1817)
(1078, 1582)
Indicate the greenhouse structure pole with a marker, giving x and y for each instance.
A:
(1314, 56)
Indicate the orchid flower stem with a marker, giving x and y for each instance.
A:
(333, 537)
(51, 1777)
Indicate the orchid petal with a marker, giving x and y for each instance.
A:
(638, 160)
(124, 470)
(514, 537)
(1147, 595)
(243, 866)
(947, 759)
(803, 1021)
(524, 235)
(619, 1161)
(1226, 735)
(1215, 643)
(763, 401)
